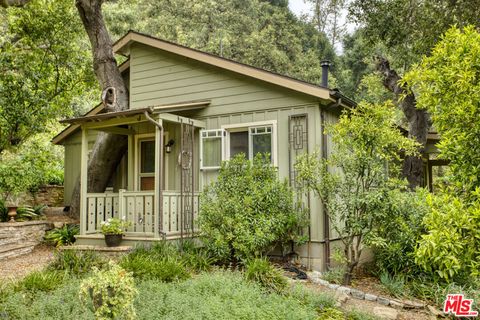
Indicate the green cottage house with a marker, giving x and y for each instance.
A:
(189, 110)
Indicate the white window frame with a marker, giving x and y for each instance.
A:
(223, 136)
(246, 127)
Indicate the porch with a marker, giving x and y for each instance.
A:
(155, 186)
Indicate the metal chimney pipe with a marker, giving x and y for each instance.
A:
(325, 68)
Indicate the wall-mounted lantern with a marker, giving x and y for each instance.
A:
(168, 146)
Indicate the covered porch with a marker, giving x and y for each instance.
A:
(156, 186)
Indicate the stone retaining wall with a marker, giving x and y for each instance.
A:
(31, 231)
(52, 196)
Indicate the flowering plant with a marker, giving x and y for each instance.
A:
(114, 226)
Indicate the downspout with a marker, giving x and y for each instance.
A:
(160, 196)
(326, 219)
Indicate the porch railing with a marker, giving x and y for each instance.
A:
(138, 208)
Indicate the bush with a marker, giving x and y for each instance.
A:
(331, 314)
(247, 210)
(76, 262)
(41, 281)
(316, 301)
(221, 295)
(334, 275)
(451, 247)
(395, 285)
(147, 265)
(394, 241)
(63, 236)
(110, 293)
(262, 272)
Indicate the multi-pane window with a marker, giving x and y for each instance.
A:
(147, 164)
(224, 144)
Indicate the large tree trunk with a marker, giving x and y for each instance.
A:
(418, 122)
(109, 148)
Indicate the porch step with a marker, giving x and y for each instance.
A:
(15, 249)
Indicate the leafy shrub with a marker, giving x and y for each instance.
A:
(76, 262)
(394, 241)
(63, 236)
(199, 261)
(28, 213)
(41, 281)
(220, 295)
(110, 293)
(145, 265)
(451, 247)
(334, 274)
(3, 211)
(395, 285)
(261, 271)
(316, 300)
(359, 315)
(247, 210)
(331, 314)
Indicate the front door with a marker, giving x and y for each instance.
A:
(146, 163)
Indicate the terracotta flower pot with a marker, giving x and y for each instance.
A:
(113, 240)
(12, 212)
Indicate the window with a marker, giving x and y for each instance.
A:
(249, 139)
(212, 148)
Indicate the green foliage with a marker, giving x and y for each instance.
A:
(63, 236)
(35, 163)
(114, 226)
(247, 210)
(359, 315)
(3, 211)
(27, 213)
(447, 84)
(318, 301)
(45, 62)
(219, 295)
(331, 314)
(356, 181)
(155, 264)
(76, 262)
(394, 241)
(261, 271)
(395, 285)
(334, 274)
(451, 248)
(41, 281)
(261, 33)
(110, 293)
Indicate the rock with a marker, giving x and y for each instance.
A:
(357, 294)
(314, 275)
(435, 311)
(344, 290)
(323, 282)
(333, 286)
(385, 313)
(58, 225)
(383, 301)
(396, 304)
(370, 297)
(409, 304)
(341, 296)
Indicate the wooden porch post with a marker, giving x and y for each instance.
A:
(130, 163)
(158, 177)
(83, 182)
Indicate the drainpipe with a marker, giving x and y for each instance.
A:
(326, 219)
(160, 196)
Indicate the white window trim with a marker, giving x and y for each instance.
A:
(222, 144)
(240, 126)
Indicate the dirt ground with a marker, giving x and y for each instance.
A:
(368, 306)
(18, 267)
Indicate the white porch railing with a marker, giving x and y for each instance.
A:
(138, 208)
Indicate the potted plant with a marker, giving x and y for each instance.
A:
(113, 230)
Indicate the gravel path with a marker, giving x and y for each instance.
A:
(18, 267)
